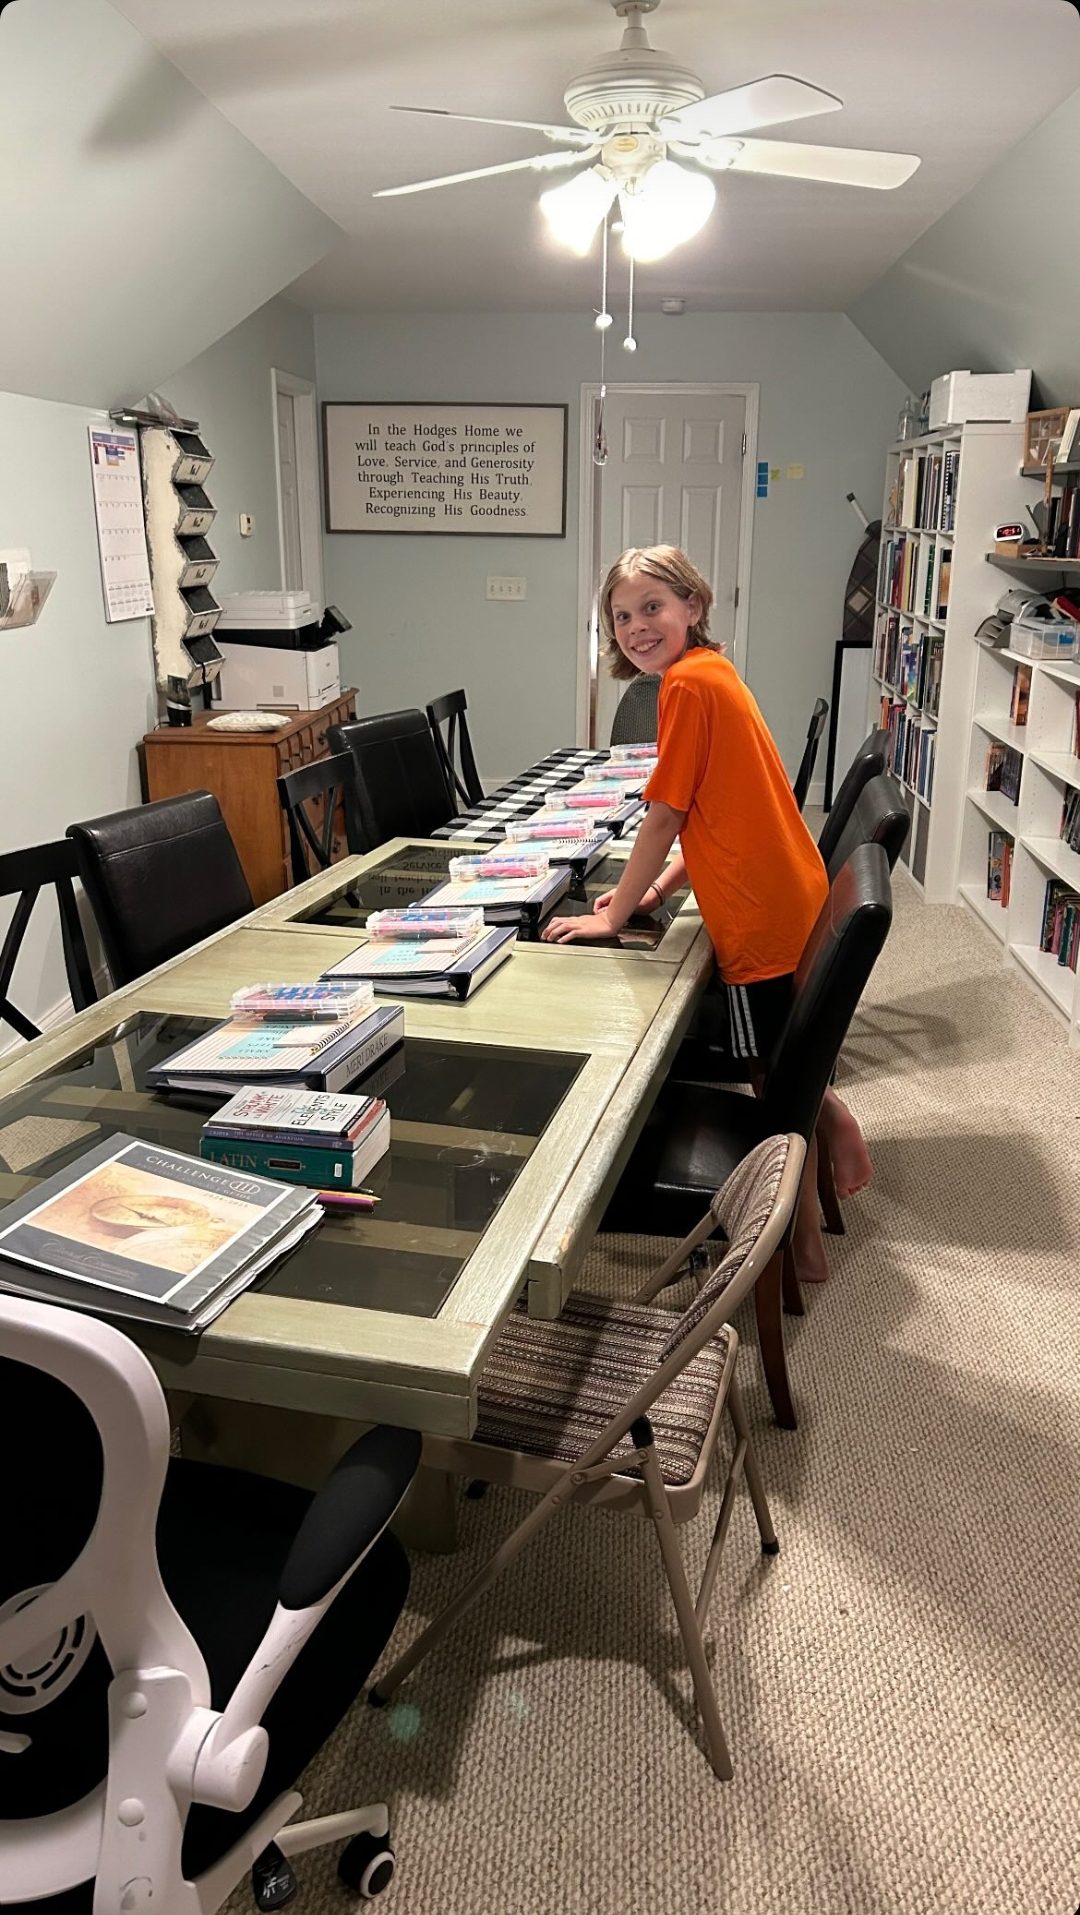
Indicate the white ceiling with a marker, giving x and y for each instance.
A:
(309, 82)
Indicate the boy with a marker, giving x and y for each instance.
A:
(721, 788)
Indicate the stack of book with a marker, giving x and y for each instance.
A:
(1070, 820)
(506, 889)
(301, 1136)
(131, 1230)
(285, 1043)
(432, 953)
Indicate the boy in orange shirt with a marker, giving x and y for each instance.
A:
(721, 788)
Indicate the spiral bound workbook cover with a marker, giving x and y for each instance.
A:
(130, 1229)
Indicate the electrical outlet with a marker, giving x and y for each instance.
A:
(247, 524)
(506, 588)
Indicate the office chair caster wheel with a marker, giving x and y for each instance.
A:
(366, 1865)
(273, 1883)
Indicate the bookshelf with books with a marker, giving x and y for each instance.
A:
(944, 493)
(1043, 920)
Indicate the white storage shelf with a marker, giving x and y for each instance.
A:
(948, 851)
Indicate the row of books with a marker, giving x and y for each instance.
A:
(1061, 533)
(1076, 725)
(1061, 923)
(924, 495)
(1002, 771)
(999, 868)
(912, 746)
(915, 576)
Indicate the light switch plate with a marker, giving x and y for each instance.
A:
(506, 588)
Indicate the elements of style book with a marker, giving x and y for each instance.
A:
(130, 1230)
(320, 1056)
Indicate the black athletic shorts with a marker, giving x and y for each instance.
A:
(757, 1014)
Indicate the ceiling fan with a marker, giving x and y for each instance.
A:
(638, 107)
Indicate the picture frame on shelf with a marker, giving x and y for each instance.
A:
(1043, 436)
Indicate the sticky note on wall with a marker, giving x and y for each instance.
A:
(763, 479)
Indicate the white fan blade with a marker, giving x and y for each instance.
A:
(762, 103)
(575, 134)
(540, 162)
(838, 165)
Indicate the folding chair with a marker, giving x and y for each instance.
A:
(619, 1406)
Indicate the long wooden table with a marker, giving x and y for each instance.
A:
(613, 1016)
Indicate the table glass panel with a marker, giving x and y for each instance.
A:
(405, 876)
(465, 1118)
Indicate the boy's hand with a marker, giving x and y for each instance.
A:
(576, 930)
(601, 903)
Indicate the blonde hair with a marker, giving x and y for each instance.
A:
(673, 568)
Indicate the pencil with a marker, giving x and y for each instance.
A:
(348, 1199)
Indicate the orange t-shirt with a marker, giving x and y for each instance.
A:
(755, 870)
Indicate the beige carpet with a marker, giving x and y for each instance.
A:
(900, 1685)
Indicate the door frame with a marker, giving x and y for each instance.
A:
(302, 392)
(587, 657)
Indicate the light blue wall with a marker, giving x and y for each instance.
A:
(136, 224)
(78, 694)
(421, 621)
(995, 283)
(228, 390)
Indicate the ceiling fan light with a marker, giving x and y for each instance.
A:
(667, 207)
(574, 210)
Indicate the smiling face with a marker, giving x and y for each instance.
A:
(651, 622)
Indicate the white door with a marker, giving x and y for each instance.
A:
(674, 476)
(292, 567)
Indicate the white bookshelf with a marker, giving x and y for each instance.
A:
(947, 852)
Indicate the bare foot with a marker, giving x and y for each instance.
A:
(851, 1162)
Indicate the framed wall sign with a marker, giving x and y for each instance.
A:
(477, 470)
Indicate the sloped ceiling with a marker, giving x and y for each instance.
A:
(136, 224)
(996, 282)
(311, 84)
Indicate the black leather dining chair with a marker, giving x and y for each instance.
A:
(310, 797)
(23, 876)
(871, 759)
(879, 815)
(801, 781)
(697, 1133)
(401, 789)
(637, 712)
(455, 746)
(160, 878)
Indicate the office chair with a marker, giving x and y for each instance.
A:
(697, 1132)
(177, 1640)
(801, 782)
(25, 874)
(871, 759)
(637, 712)
(619, 1406)
(322, 786)
(160, 878)
(401, 790)
(455, 749)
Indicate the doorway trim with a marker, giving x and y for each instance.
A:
(587, 656)
(302, 392)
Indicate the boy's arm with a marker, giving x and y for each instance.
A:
(658, 832)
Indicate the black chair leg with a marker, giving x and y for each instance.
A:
(770, 1326)
(827, 1197)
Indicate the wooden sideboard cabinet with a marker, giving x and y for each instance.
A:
(242, 768)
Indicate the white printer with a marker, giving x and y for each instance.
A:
(279, 651)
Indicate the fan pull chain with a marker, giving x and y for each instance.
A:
(630, 343)
(603, 321)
